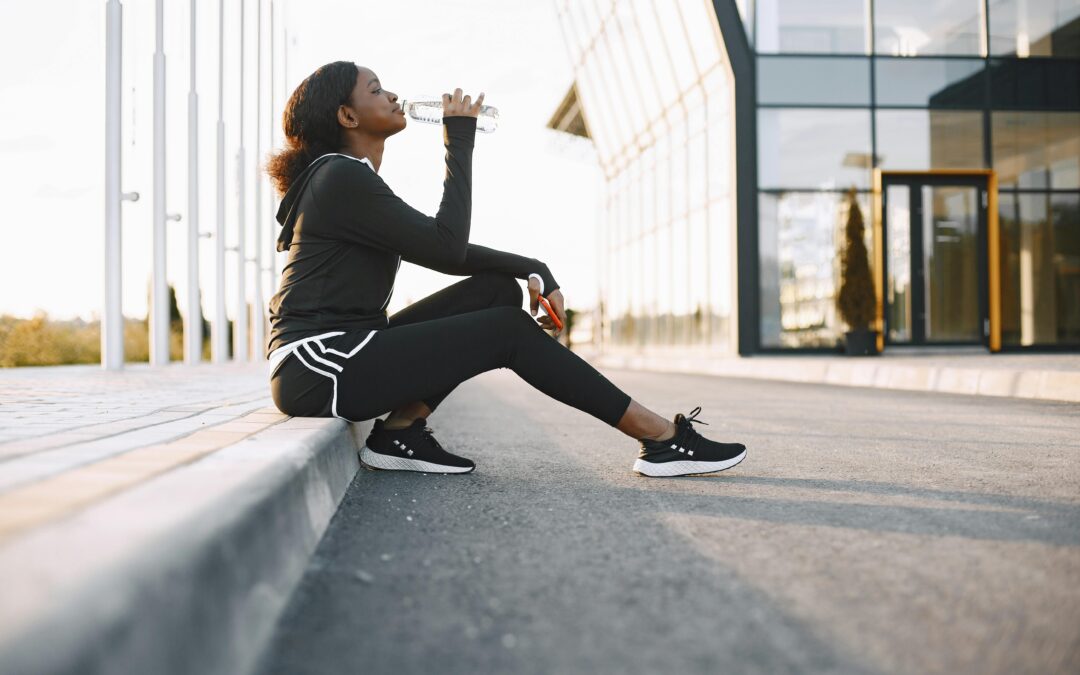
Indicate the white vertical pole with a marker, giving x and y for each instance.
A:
(220, 329)
(259, 314)
(112, 319)
(240, 336)
(159, 315)
(193, 336)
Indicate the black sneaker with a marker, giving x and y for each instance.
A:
(687, 452)
(410, 449)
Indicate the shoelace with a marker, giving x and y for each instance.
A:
(692, 440)
(429, 434)
(692, 417)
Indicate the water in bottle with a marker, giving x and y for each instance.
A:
(430, 109)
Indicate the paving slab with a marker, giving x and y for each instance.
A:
(155, 519)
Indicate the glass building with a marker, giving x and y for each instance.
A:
(731, 132)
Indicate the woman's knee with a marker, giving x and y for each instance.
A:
(505, 288)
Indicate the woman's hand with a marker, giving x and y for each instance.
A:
(555, 299)
(456, 106)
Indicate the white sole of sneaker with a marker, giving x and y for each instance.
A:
(684, 468)
(374, 460)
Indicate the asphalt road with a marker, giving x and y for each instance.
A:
(867, 531)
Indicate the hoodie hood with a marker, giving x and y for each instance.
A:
(287, 212)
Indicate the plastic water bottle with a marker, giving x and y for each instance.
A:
(430, 109)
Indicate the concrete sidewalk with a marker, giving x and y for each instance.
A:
(970, 371)
(155, 520)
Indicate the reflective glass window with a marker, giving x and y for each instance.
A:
(936, 83)
(680, 273)
(679, 192)
(698, 268)
(929, 27)
(667, 16)
(627, 88)
(813, 148)
(703, 31)
(919, 140)
(721, 260)
(821, 27)
(604, 71)
(661, 307)
(1037, 149)
(1035, 28)
(1052, 84)
(666, 82)
(799, 236)
(644, 86)
(1040, 268)
(592, 13)
(809, 80)
(694, 100)
(698, 177)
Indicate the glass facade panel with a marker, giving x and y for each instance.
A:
(678, 50)
(822, 27)
(1026, 28)
(935, 83)
(667, 156)
(929, 28)
(799, 238)
(628, 88)
(950, 253)
(920, 140)
(813, 148)
(1052, 84)
(680, 202)
(666, 82)
(698, 173)
(898, 291)
(1037, 149)
(698, 277)
(702, 29)
(636, 63)
(1040, 268)
(809, 80)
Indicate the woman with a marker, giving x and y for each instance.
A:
(334, 350)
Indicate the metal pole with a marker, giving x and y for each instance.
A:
(220, 329)
(159, 314)
(259, 314)
(240, 335)
(112, 319)
(193, 335)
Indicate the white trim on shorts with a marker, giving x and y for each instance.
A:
(321, 366)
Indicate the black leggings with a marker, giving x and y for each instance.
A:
(430, 347)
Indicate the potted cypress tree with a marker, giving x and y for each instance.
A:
(856, 302)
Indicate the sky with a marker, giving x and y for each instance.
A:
(535, 191)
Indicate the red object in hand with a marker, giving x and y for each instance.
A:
(550, 312)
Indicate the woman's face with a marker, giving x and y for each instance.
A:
(374, 109)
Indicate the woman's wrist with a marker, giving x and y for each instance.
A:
(460, 128)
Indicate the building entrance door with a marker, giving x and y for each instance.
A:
(935, 259)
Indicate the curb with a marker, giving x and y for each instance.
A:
(186, 573)
(1046, 385)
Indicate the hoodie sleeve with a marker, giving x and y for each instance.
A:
(482, 259)
(360, 207)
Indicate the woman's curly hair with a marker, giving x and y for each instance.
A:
(310, 121)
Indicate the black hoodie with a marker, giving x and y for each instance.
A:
(346, 233)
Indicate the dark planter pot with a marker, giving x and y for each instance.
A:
(861, 342)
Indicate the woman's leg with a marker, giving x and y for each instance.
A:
(480, 291)
(419, 361)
